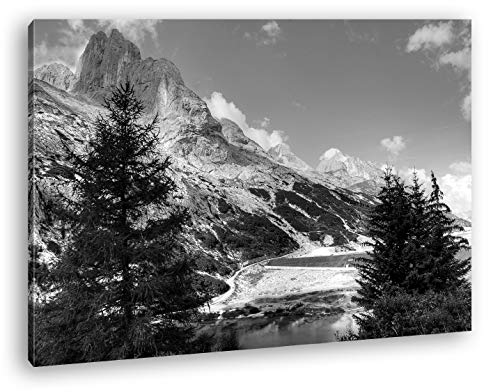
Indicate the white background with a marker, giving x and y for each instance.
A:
(455, 362)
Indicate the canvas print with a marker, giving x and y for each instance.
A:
(214, 185)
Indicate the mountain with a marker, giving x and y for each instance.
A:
(244, 204)
(235, 136)
(351, 172)
(57, 75)
(282, 154)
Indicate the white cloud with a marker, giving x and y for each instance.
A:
(457, 191)
(423, 178)
(447, 44)
(431, 36)
(394, 145)
(265, 138)
(456, 186)
(460, 60)
(269, 34)
(73, 38)
(220, 107)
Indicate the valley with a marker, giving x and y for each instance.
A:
(275, 306)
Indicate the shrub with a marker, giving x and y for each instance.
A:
(404, 314)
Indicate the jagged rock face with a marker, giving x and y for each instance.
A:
(109, 61)
(244, 204)
(103, 63)
(234, 135)
(347, 169)
(282, 154)
(57, 75)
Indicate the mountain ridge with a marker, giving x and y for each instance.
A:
(244, 204)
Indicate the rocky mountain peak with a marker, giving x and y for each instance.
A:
(351, 170)
(283, 154)
(57, 75)
(235, 135)
(104, 61)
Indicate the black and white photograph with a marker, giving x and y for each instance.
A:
(197, 186)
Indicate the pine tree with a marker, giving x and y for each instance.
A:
(445, 268)
(123, 287)
(389, 227)
(414, 280)
(416, 250)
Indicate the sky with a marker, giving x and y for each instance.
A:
(394, 92)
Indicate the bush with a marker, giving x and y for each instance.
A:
(404, 314)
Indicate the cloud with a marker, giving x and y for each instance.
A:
(136, 30)
(71, 38)
(265, 138)
(456, 186)
(394, 145)
(457, 191)
(430, 36)
(68, 46)
(269, 34)
(220, 107)
(447, 45)
(422, 176)
(460, 60)
(43, 54)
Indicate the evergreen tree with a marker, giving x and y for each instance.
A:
(445, 269)
(416, 250)
(414, 280)
(389, 227)
(123, 287)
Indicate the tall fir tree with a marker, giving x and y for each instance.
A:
(389, 227)
(446, 268)
(416, 250)
(123, 287)
(414, 281)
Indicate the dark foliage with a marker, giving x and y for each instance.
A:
(414, 281)
(404, 314)
(123, 287)
(255, 236)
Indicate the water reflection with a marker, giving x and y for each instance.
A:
(280, 332)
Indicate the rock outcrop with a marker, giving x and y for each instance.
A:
(350, 171)
(57, 75)
(235, 136)
(282, 154)
(103, 63)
